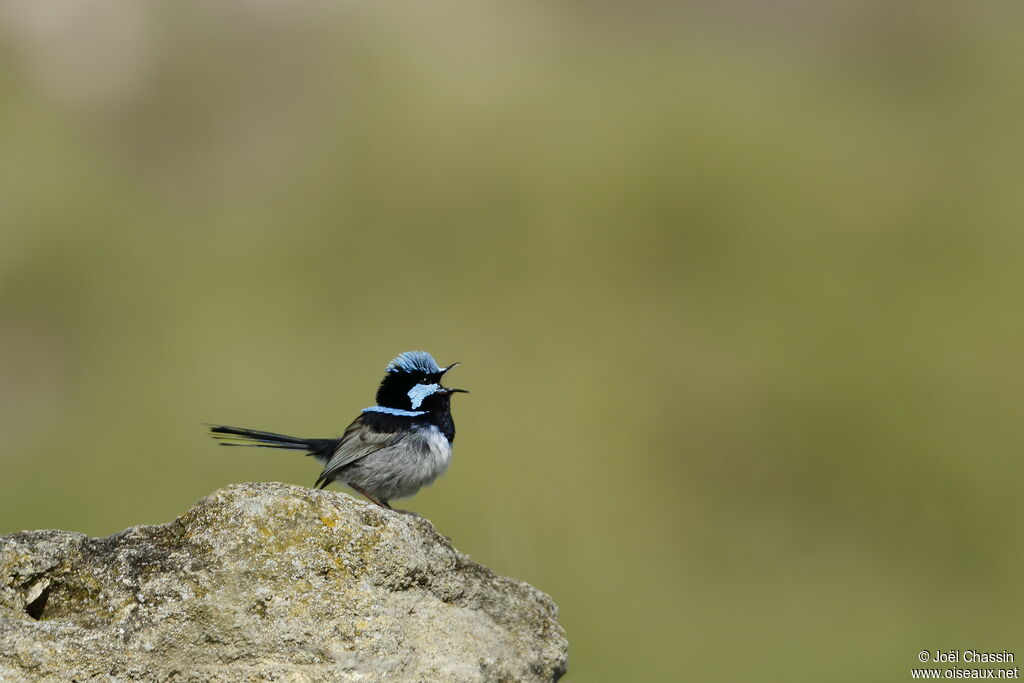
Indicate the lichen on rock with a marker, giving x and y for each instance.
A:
(268, 582)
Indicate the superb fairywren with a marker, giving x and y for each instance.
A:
(393, 448)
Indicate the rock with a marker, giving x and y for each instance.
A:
(268, 582)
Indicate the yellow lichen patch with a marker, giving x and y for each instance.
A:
(328, 521)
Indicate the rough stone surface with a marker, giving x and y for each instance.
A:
(268, 582)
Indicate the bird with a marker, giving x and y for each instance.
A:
(393, 448)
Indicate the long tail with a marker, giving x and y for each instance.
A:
(236, 436)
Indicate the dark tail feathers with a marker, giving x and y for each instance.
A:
(236, 436)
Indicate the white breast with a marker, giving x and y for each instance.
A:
(440, 453)
(401, 470)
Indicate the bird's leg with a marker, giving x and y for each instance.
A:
(372, 499)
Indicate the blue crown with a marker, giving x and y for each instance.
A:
(414, 361)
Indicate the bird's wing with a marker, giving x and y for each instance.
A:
(359, 441)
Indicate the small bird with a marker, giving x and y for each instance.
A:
(393, 448)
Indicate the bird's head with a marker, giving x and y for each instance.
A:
(413, 382)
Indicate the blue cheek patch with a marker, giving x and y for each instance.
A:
(394, 411)
(420, 392)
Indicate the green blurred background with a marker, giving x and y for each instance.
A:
(736, 288)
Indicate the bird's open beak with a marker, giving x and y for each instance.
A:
(453, 391)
